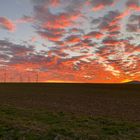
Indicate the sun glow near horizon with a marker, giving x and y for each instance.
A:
(126, 81)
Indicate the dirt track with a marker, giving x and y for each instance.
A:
(97, 100)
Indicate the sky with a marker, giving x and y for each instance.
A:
(90, 41)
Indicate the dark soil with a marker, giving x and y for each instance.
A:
(121, 101)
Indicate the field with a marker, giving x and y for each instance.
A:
(53, 111)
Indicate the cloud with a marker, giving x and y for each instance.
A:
(96, 21)
(111, 41)
(123, 14)
(99, 7)
(134, 18)
(60, 22)
(7, 24)
(75, 50)
(13, 54)
(25, 19)
(100, 4)
(133, 4)
(132, 28)
(73, 39)
(33, 39)
(21, 58)
(53, 26)
(76, 30)
(108, 20)
(133, 24)
(110, 24)
(94, 34)
(53, 35)
(122, 55)
(12, 49)
(55, 3)
(57, 20)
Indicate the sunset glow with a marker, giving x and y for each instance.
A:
(83, 41)
(127, 80)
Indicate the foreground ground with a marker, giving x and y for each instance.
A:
(69, 112)
(19, 124)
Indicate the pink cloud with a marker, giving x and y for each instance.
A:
(99, 7)
(55, 3)
(61, 21)
(33, 39)
(124, 14)
(7, 24)
(94, 34)
(101, 4)
(133, 4)
(25, 19)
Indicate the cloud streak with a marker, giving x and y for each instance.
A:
(7, 24)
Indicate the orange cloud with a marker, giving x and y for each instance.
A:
(7, 24)
(111, 42)
(97, 8)
(50, 37)
(73, 39)
(57, 24)
(93, 34)
(55, 3)
(114, 28)
(124, 14)
(101, 4)
(113, 22)
(133, 4)
(60, 21)
(135, 7)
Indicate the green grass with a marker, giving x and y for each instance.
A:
(24, 124)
